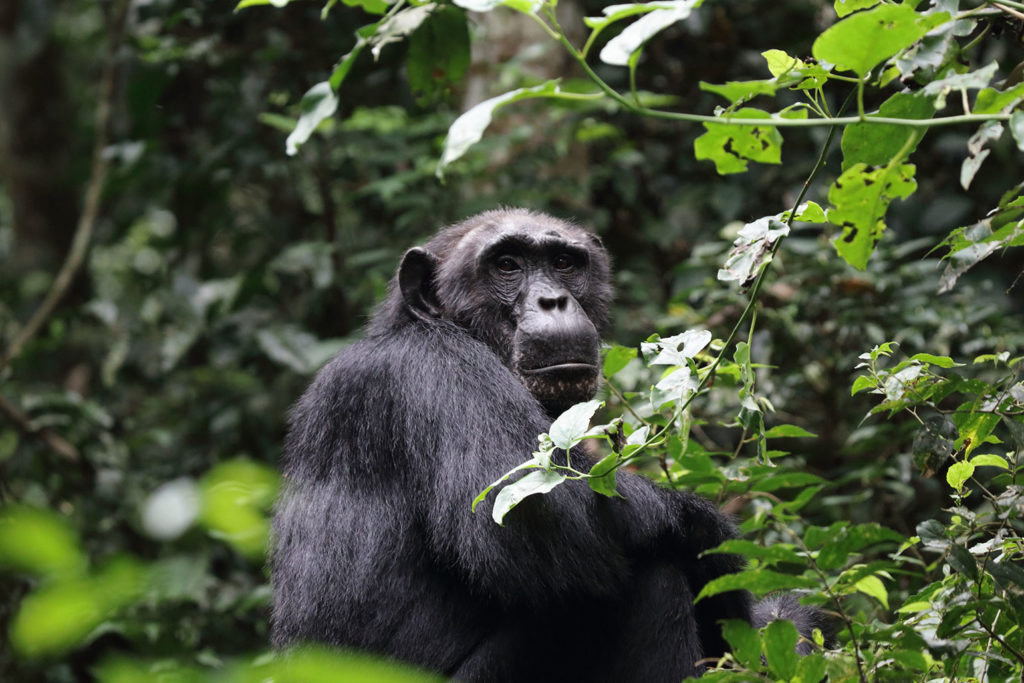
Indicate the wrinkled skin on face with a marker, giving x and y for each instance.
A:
(535, 289)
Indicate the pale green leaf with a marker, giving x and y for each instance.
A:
(571, 426)
(618, 50)
(513, 494)
(318, 104)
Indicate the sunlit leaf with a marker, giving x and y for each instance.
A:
(38, 542)
(317, 104)
(569, 428)
(619, 49)
(862, 40)
(958, 473)
(860, 198)
(731, 146)
(467, 130)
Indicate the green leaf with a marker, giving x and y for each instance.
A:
(512, 495)
(744, 642)
(809, 212)
(955, 82)
(1007, 574)
(873, 586)
(958, 473)
(780, 63)
(570, 427)
(962, 561)
(529, 464)
(845, 7)
(344, 64)
(861, 383)
(38, 542)
(811, 667)
(467, 130)
(863, 40)
(58, 616)
(619, 49)
(974, 427)
(992, 101)
(757, 581)
(318, 104)
(790, 431)
(236, 496)
(741, 91)
(616, 359)
(377, 7)
(839, 545)
(775, 553)
(878, 144)
(860, 198)
(256, 3)
(938, 361)
(779, 648)
(990, 460)
(602, 476)
(438, 54)
(1017, 128)
(731, 146)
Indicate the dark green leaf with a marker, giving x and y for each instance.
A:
(779, 648)
(744, 642)
(878, 144)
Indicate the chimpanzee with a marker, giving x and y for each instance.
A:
(489, 331)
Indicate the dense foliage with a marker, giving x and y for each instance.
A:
(843, 373)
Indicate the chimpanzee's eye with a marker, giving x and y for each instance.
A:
(564, 262)
(507, 264)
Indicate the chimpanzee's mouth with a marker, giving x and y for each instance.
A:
(572, 367)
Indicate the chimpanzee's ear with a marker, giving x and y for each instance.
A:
(416, 281)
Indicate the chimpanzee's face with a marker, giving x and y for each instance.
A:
(533, 288)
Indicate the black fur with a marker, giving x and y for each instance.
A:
(375, 545)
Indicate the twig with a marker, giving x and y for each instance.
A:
(57, 443)
(87, 220)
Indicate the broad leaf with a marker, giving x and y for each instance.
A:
(512, 495)
(619, 49)
(860, 198)
(863, 40)
(878, 144)
(571, 426)
(467, 130)
(731, 146)
(616, 359)
(317, 104)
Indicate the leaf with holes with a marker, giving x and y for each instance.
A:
(730, 146)
(859, 200)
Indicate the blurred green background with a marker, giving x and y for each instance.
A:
(140, 429)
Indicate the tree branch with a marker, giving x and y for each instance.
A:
(90, 211)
